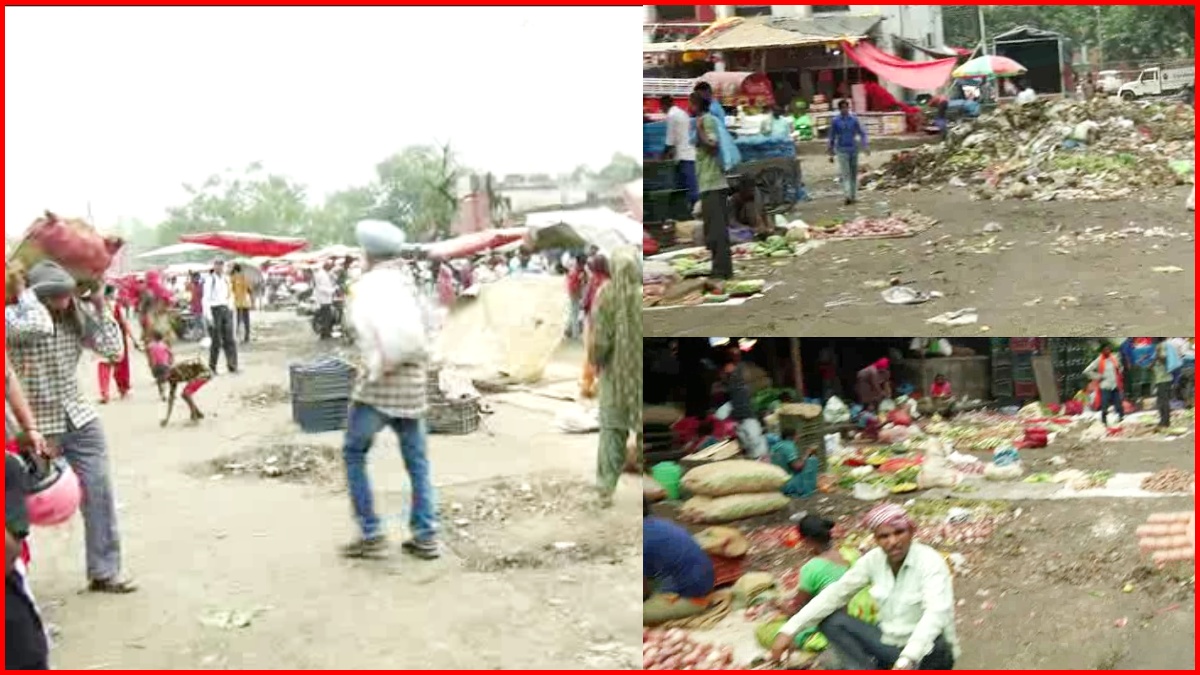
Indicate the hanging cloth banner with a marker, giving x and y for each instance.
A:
(921, 76)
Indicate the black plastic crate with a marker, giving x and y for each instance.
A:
(660, 176)
(325, 379)
(315, 417)
(665, 205)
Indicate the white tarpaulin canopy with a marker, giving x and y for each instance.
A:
(177, 249)
(603, 228)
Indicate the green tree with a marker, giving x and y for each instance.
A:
(1122, 32)
(417, 190)
(252, 200)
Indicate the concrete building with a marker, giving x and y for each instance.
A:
(921, 24)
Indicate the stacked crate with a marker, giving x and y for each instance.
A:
(321, 394)
(662, 200)
(1070, 357)
(1002, 372)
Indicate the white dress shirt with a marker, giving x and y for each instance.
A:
(216, 293)
(679, 134)
(915, 606)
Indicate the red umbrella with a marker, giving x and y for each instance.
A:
(247, 243)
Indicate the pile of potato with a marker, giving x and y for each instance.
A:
(674, 649)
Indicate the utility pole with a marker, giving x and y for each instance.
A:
(982, 32)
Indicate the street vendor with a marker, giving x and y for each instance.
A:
(827, 564)
(911, 584)
(801, 466)
(1106, 371)
(749, 429)
(749, 210)
(874, 384)
(677, 575)
(713, 188)
(940, 387)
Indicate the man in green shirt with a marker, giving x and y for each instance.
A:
(714, 207)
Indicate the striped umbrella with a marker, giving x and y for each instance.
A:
(989, 66)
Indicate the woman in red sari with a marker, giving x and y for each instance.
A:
(116, 370)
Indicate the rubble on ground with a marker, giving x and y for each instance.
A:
(1056, 150)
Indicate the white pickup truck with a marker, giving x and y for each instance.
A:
(1158, 81)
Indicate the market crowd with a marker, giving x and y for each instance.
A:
(57, 459)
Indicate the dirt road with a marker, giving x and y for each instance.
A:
(536, 576)
(1054, 268)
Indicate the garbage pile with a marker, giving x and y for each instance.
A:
(1056, 150)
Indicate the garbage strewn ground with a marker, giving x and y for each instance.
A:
(1040, 582)
(1055, 268)
(1102, 149)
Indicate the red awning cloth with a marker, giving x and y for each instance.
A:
(248, 244)
(922, 76)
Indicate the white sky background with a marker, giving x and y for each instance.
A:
(120, 106)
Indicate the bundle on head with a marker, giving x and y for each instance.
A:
(72, 243)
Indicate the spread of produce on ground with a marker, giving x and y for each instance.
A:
(962, 472)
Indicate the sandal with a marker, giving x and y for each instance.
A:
(113, 586)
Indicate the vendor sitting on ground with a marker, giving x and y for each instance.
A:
(748, 209)
(940, 387)
(827, 565)
(911, 584)
(705, 436)
(874, 384)
(677, 575)
(786, 455)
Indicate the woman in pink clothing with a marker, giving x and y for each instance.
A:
(940, 387)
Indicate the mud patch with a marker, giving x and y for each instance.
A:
(536, 522)
(287, 462)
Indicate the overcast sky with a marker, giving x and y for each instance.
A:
(119, 106)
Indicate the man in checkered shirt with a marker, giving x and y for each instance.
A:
(398, 399)
(46, 332)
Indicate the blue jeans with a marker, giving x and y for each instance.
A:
(848, 172)
(1111, 398)
(687, 176)
(364, 422)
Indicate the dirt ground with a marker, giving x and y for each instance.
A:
(232, 529)
(1048, 590)
(1045, 272)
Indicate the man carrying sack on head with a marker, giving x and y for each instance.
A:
(46, 332)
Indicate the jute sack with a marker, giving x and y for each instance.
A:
(732, 477)
(703, 510)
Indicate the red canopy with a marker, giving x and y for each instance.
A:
(247, 243)
(470, 244)
(922, 76)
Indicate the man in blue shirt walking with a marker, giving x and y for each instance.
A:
(843, 140)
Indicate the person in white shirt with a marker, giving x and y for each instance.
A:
(324, 290)
(910, 583)
(217, 301)
(680, 146)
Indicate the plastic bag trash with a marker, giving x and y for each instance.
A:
(1168, 269)
(833, 446)
(1008, 472)
(1191, 200)
(992, 227)
(835, 411)
(869, 493)
(387, 320)
(961, 317)
(905, 295)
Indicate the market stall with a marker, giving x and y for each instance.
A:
(247, 243)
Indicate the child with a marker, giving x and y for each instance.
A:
(193, 374)
(940, 387)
